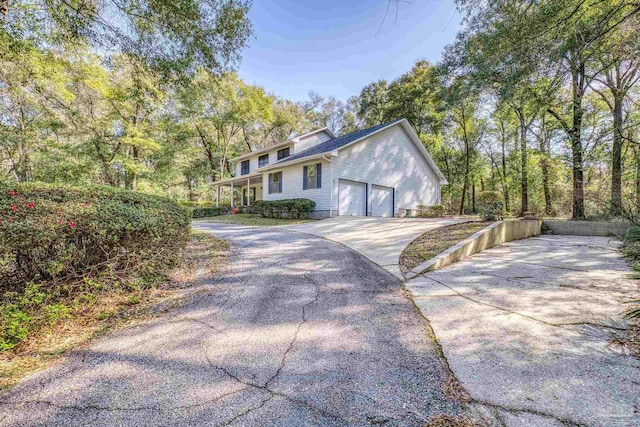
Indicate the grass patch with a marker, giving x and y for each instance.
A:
(433, 242)
(78, 319)
(442, 420)
(252, 219)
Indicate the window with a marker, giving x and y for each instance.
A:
(312, 176)
(275, 182)
(283, 153)
(244, 167)
(263, 160)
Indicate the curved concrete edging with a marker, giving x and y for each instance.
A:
(495, 234)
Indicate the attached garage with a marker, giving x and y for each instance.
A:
(352, 196)
(381, 201)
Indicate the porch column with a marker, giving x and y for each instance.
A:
(232, 195)
(248, 191)
(217, 196)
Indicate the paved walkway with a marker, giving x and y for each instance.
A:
(382, 240)
(302, 332)
(530, 329)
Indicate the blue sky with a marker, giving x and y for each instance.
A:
(334, 48)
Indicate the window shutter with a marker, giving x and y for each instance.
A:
(319, 175)
(279, 182)
(305, 171)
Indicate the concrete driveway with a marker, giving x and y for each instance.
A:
(301, 332)
(531, 329)
(381, 240)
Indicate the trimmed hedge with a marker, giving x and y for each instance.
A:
(434, 211)
(210, 211)
(286, 208)
(56, 234)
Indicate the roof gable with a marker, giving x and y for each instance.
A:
(352, 138)
(335, 143)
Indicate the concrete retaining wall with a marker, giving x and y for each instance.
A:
(497, 233)
(586, 228)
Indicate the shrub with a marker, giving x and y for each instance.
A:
(57, 242)
(633, 234)
(490, 205)
(286, 208)
(434, 211)
(204, 212)
(49, 232)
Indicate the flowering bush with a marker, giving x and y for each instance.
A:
(64, 238)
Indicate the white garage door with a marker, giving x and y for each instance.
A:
(381, 201)
(353, 198)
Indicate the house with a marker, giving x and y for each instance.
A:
(380, 171)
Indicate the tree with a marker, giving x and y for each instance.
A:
(173, 36)
(468, 128)
(617, 71)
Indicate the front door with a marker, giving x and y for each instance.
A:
(252, 195)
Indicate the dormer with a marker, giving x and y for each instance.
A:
(310, 139)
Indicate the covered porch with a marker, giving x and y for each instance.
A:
(242, 191)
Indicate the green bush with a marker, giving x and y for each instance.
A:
(57, 242)
(434, 211)
(490, 205)
(633, 234)
(209, 211)
(287, 208)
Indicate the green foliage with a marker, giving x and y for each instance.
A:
(286, 208)
(431, 211)
(172, 36)
(491, 207)
(633, 234)
(54, 233)
(60, 242)
(210, 211)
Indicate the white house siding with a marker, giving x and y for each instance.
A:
(292, 185)
(311, 140)
(388, 158)
(253, 161)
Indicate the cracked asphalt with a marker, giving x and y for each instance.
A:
(301, 331)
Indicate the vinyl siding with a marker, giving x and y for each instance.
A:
(292, 185)
(310, 141)
(388, 158)
(253, 161)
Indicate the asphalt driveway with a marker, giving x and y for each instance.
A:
(301, 332)
(381, 240)
(532, 331)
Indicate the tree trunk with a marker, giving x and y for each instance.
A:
(505, 186)
(523, 157)
(616, 158)
(473, 197)
(577, 77)
(544, 165)
(545, 150)
(133, 179)
(637, 155)
(466, 179)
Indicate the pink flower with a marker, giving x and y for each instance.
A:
(72, 224)
(14, 208)
(31, 205)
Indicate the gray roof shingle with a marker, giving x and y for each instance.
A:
(335, 143)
